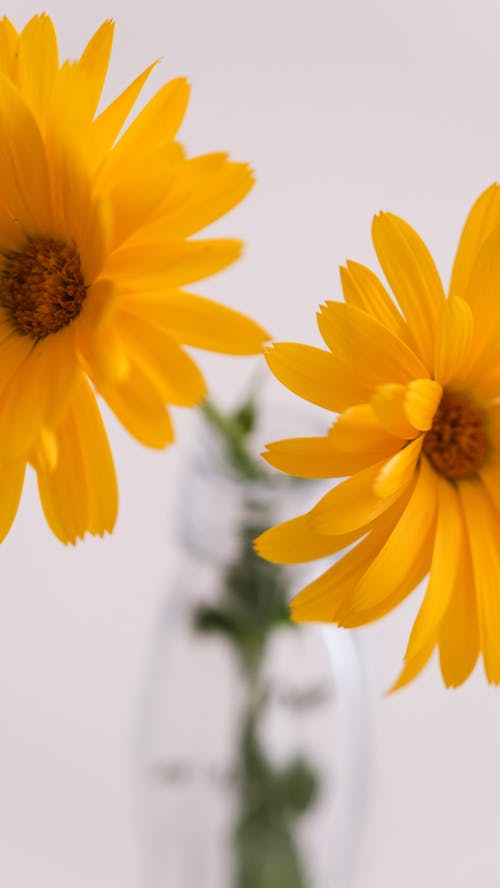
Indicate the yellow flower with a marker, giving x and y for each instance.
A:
(418, 393)
(95, 247)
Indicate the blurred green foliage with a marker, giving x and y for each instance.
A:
(252, 604)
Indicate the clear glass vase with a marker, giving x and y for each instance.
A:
(254, 741)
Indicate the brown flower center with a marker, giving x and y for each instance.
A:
(42, 286)
(457, 443)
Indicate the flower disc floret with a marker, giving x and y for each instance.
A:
(457, 443)
(42, 286)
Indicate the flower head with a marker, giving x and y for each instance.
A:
(96, 220)
(417, 388)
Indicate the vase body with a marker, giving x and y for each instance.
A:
(201, 825)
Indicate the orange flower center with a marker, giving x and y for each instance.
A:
(42, 286)
(457, 443)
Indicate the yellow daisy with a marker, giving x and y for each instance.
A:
(417, 389)
(95, 249)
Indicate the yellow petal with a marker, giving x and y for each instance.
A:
(100, 349)
(410, 270)
(490, 476)
(493, 423)
(363, 289)
(396, 474)
(388, 402)
(351, 504)
(358, 430)
(12, 235)
(95, 239)
(421, 402)
(108, 124)
(454, 339)
(482, 528)
(157, 123)
(449, 541)
(72, 195)
(14, 349)
(62, 491)
(406, 546)
(11, 485)
(394, 589)
(160, 266)
(161, 117)
(412, 667)
(100, 478)
(372, 352)
(483, 376)
(482, 220)
(69, 113)
(296, 540)
(393, 593)
(482, 295)
(194, 320)
(138, 194)
(458, 633)
(38, 393)
(57, 367)
(37, 64)
(202, 190)
(140, 409)
(169, 369)
(79, 494)
(404, 410)
(316, 458)
(99, 306)
(9, 42)
(315, 375)
(46, 449)
(104, 358)
(327, 597)
(24, 177)
(94, 62)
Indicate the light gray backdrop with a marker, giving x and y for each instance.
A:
(344, 109)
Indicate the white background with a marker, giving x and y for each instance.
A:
(344, 109)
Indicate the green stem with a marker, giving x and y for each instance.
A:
(235, 430)
(252, 604)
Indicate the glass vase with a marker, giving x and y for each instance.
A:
(254, 731)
